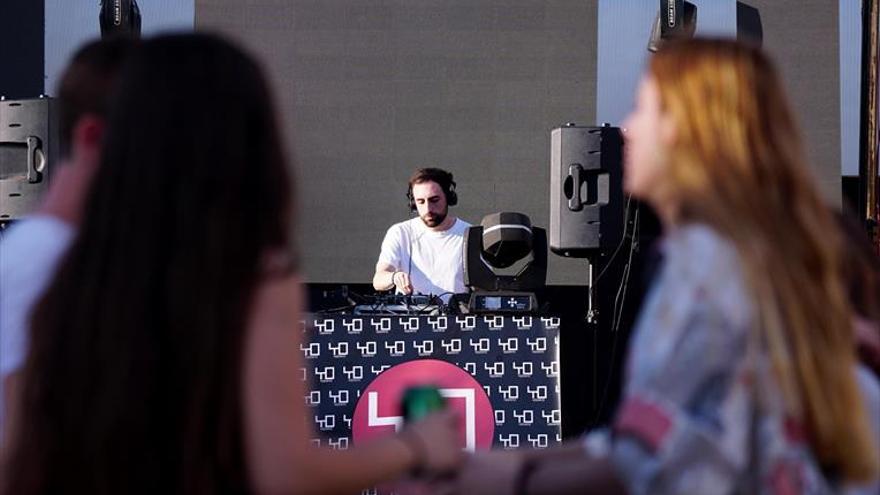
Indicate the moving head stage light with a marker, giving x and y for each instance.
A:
(505, 262)
(677, 19)
(120, 18)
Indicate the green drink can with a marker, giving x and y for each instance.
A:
(421, 401)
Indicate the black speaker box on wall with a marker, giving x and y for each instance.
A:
(28, 142)
(586, 190)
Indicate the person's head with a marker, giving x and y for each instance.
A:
(430, 193)
(84, 93)
(713, 140)
(133, 382)
(711, 125)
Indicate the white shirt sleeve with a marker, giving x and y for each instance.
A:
(394, 248)
(29, 253)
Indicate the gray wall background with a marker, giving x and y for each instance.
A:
(371, 89)
(803, 38)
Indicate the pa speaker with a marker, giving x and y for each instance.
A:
(28, 141)
(586, 190)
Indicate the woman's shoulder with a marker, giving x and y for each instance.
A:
(705, 265)
(698, 242)
(700, 253)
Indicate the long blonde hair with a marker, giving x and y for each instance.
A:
(737, 164)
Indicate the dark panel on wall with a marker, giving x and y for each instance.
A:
(21, 48)
(372, 89)
(802, 36)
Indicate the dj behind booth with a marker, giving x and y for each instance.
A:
(494, 349)
(490, 351)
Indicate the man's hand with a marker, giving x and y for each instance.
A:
(434, 440)
(402, 282)
(388, 277)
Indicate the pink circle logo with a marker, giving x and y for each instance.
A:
(377, 412)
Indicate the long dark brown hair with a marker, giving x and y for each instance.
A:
(133, 381)
(87, 84)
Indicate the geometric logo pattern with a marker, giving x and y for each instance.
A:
(514, 358)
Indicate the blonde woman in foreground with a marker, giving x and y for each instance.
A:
(741, 374)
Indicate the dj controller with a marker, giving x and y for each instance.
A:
(399, 304)
(345, 301)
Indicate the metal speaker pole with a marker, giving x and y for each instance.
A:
(869, 209)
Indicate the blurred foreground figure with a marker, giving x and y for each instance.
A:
(742, 375)
(165, 355)
(34, 245)
(862, 272)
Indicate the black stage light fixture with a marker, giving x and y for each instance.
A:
(677, 19)
(492, 250)
(120, 18)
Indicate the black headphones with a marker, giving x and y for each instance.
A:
(441, 177)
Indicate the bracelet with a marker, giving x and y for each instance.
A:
(394, 284)
(520, 486)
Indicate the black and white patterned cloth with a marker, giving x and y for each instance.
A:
(514, 358)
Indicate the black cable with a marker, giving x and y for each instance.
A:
(339, 309)
(594, 282)
(621, 291)
(412, 233)
(409, 269)
(617, 312)
(433, 301)
(619, 244)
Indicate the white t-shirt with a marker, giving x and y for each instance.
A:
(29, 254)
(432, 259)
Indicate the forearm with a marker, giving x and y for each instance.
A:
(349, 471)
(573, 475)
(384, 279)
(568, 450)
